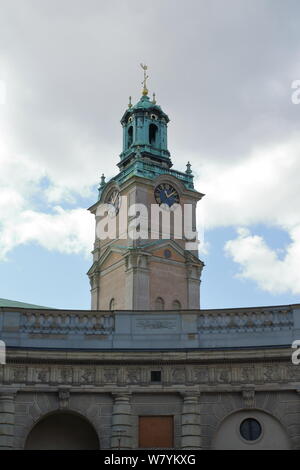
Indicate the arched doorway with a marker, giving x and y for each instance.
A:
(62, 431)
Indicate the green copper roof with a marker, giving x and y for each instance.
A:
(15, 303)
(145, 103)
(139, 167)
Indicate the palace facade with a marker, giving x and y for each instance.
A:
(146, 367)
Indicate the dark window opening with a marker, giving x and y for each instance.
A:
(152, 134)
(155, 376)
(130, 136)
(159, 304)
(176, 305)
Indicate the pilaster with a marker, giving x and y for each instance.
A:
(137, 280)
(7, 419)
(190, 422)
(121, 436)
(193, 286)
(94, 282)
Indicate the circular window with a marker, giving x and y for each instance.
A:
(250, 429)
(167, 253)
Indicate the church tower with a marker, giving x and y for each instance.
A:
(159, 268)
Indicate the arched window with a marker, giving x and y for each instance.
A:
(152, 134)
(130, 136)
(112, 304)
(176, 305)
(159, 304)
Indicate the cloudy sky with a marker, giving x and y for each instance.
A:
(222, 70)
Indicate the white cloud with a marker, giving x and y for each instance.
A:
(263, 188)
(261, 264)
(65, 231)
(68, 67)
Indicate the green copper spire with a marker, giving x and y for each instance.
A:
(145, 145)
(145, 126)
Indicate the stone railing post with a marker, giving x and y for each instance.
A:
(7, 419)
(121, 436)
(190, 422)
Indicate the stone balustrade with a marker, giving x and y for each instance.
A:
(239, 321)
(87, 323)
(92, 329)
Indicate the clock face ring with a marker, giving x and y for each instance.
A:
(166, 194)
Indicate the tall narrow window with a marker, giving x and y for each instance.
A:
(159, 304)
(152, 134)
(130, 136)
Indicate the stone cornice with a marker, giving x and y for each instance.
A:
(238, 355)
(185, 311)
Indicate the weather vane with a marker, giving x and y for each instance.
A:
(145, 91)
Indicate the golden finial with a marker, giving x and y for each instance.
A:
(129, 104)
(145, 91)
(154, 100)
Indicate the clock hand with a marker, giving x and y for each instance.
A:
(171, 194)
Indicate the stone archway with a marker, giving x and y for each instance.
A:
(62, 431)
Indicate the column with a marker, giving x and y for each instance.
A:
(190, 422)
(121, 436)
(7, 419)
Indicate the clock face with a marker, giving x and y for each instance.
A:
(114, 200)
(165, 193)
